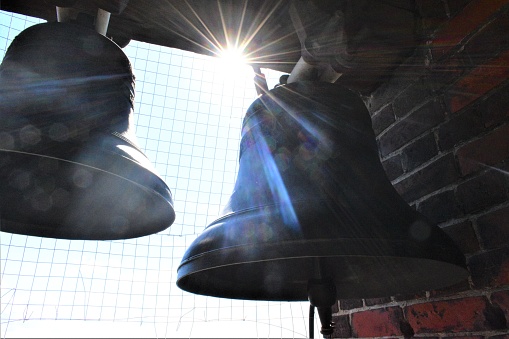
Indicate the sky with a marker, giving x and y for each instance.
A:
(188, 116)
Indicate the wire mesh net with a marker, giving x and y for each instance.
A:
(188, 115)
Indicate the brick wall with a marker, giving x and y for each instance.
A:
(442, 125)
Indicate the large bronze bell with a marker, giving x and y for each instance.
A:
(69, 164)
(313, 215)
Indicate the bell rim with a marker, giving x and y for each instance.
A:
(198, 269)
(222, 250)
(163, 196)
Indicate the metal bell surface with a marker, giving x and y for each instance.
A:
(312, 206)
(69, 163)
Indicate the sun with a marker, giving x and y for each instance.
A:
(234, 63)
(233, 55)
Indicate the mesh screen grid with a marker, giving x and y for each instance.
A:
(188, 118)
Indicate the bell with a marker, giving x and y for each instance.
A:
(69, 164)
(313, 215)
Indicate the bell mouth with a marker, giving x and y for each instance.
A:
(100, 190)
(240, 257)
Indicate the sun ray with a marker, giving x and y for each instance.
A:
(174, 31)
(239, 31)
(217, 43)
(192, 25)
(248, 39)
(223, 24)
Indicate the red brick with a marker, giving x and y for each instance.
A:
(487, 151)
(452, 316)
(501, 299)
(377, 323)
(462, 25)
(478, 82)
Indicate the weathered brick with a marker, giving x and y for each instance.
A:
(470, 18)
(477, 82)
(459, 128)
(464, 236)
(342, 328)
(377, 301)
(496, 318)
(411, 97)
(498, 336)
(451, 316)
(406, 329)
(335, 307)
(486, 151)
(432, 9)
(433, 13)
(412, 126)
(466, 337)
(349, 304)
(446, 71)
(418, 152)
(451, 290)
(455, 6)
(501, 299)
(404, 297)
(495, 108)
(377, 323)
(386, 93)
(382, 119)
(483, 191)
(490, 268)
(440, 207)
(493, 228)
(402, 77)
(392, 166)
(436, 175)
(490, 40)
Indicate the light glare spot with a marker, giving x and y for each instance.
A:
(420, 231)
(82, 178)
(233, 63)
